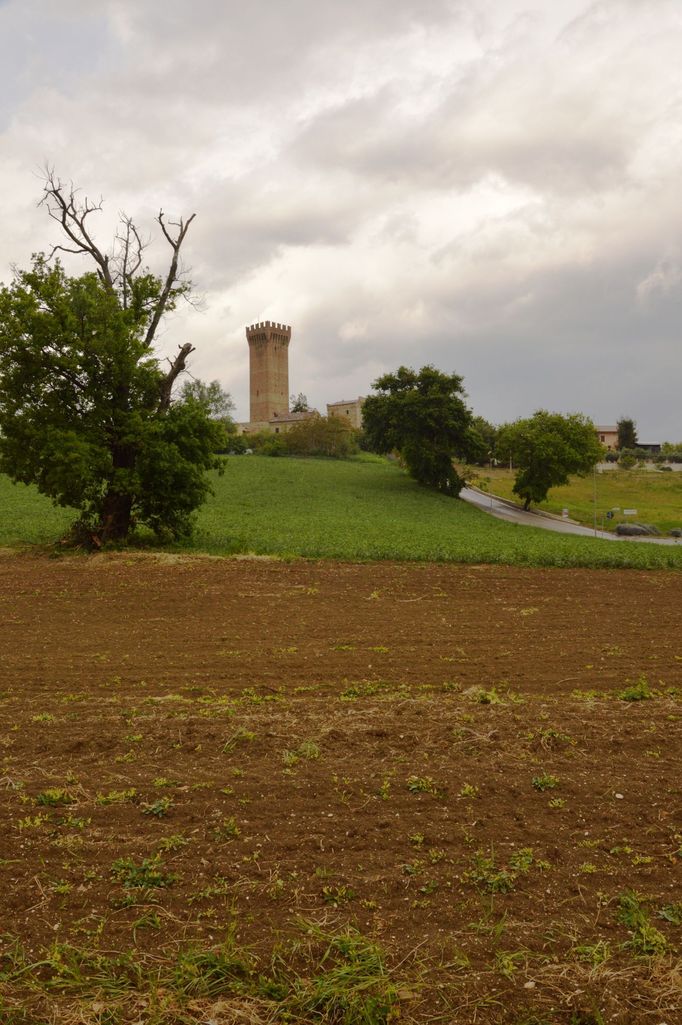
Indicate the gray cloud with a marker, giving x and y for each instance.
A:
(488, 185)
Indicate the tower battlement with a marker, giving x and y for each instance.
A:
(266, 326)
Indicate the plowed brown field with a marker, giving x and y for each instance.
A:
(440, 756)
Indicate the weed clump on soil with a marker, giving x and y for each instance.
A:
(55, 797)
(423, 785)
(672, 913)
(159, 808)
(493, 878)
(341, 978)
(639, 691)
(148, 873)
(545, 781)
(645, 938)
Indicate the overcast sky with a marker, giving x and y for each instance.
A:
(491, 186)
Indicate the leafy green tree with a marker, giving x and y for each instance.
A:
(482, 441)
(299, 403)
(422, 415)
(672, 452)
(627, 433)
(547, 448)
(85, 407)
(218, 403)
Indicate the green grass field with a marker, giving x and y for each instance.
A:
(26, 518)
(359, 509)
(656, 496)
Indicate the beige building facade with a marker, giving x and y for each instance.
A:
(349, 410)
(608, 436)
(276, 424)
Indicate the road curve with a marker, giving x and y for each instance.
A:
(504, 510)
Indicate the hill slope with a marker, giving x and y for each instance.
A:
(360, 509)
(369, 509)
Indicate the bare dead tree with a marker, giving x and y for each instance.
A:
(118, 269)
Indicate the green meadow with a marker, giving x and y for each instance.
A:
(656, 495)
(359, 509)
(26, 518)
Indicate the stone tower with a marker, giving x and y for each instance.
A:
(269, 370)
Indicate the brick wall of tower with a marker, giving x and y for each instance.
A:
(269, 369)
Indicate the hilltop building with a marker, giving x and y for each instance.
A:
(608, 436)
(348, 410)
(269, 384)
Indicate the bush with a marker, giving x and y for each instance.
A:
(315, 436)
(275, 445)
(259, 440)
(322, 436)
(644, 455)
(237, 444)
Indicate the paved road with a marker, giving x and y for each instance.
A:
(504, 510)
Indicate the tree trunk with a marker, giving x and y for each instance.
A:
(115, 518)
(116, 508)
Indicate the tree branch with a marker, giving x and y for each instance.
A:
(176, 368)
(171, 277)
(130, 258)
(62, 207)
